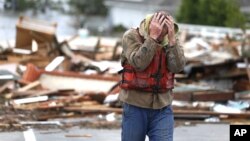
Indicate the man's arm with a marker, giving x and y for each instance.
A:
(175, 58)
(175, 55)
(138, 54)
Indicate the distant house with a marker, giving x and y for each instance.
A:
(245, 6)
(129, 13)
(245, 9)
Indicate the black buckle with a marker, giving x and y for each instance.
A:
(157, 76)
(120, 71)
(156, 89)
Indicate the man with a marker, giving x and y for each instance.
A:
(151, 55)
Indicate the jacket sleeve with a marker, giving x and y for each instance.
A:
(175, 58)
(138, 54)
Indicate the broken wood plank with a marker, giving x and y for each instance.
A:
(204, 96)
(25, 88)
(191, 117)
(211, 113)
(30, 86)
(212, 96)
(85, 83)
(50, 104)
(183, 96)
(33, 93)
(98, 108)
(30, 100)
(41, 123)
(5, 86)
(55, 63)
(43, 117)
(247, 68)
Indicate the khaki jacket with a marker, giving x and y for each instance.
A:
(139, 54)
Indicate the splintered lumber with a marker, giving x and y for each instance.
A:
(183, 96)
(55, 80)
(50, 104)
(177, 113)
(32, 93)
(29, 29)
(225, 69)
(243, 95)
(30, 100)
(4, 125)
(25, 88)
(30, 86)
(77, 81)
(5, 86)
(99, 97)
(241, 85)
(55, 63)
(43, 117)
(191, 117)
(95, 47)
(247, 68)
(40, 123)
(204, 96)
(93, 109)
(213, 96)
(211, 113)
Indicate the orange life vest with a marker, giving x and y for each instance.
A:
(156, 78)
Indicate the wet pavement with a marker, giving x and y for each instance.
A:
(199, 132)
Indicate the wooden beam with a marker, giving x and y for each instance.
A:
(5, 86)
(212, 96)
(211, 113)
(25, 88)
(94, 108)
(204, 96)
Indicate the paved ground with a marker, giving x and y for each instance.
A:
(199, 132)
(202, 132)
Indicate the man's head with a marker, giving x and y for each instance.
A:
(162, 16)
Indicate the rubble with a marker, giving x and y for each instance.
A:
(77, 77)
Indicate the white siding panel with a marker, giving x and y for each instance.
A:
(127, 17)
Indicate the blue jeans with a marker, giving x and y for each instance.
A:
(157, 124)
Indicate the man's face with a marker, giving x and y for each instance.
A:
(164, 30)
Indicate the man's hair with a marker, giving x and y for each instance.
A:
(165, 13)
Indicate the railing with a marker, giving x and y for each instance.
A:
(211, 31)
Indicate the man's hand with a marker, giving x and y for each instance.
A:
(156, 26)
(169, 21)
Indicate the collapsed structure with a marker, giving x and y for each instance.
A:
(52, 78)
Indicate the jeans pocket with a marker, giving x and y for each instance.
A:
(129, 110)
(126, 109)
(167, 110)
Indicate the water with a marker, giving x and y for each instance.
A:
(66, 24)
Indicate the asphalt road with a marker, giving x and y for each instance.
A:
(199, 132)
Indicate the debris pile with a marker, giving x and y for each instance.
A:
(43, 77)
